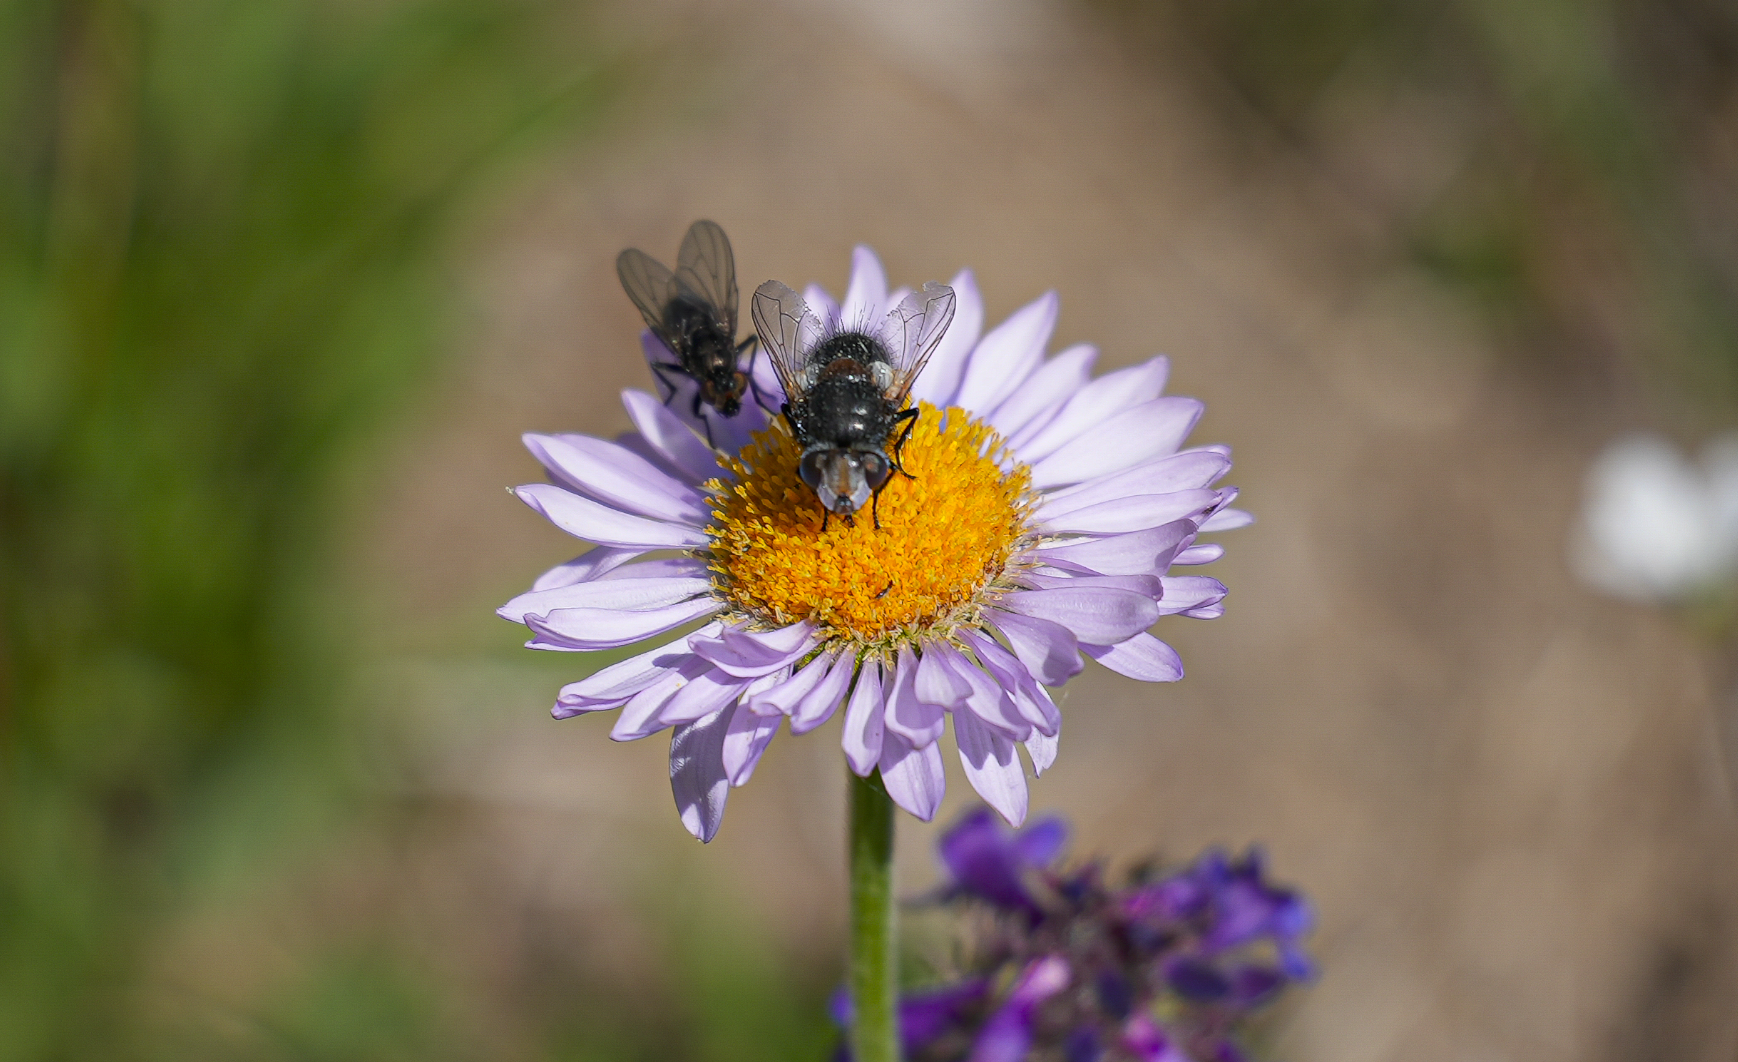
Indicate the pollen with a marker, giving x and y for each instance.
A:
(947, 537)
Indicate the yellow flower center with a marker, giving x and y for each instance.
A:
(946, 539)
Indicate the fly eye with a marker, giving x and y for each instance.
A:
(875, 470)
(810, 469)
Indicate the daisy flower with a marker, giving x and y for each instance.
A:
(1045, 514)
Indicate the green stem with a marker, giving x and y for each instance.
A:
(874, 949)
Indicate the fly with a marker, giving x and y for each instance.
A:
(693, 313)
(846, 389)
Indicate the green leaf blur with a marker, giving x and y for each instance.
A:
(223, 229)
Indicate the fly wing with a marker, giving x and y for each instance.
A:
(650, 285)
(914, 329)
(706, 267)
(788, 331)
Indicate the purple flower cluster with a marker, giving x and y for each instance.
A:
(1070, 969)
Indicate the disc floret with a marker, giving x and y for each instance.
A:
(949, 543)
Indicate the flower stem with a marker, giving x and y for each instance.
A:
(874, 948)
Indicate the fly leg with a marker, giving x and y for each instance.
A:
(910, 419)
(703, 418)
(659, 368)
(752, 345)
(826, 514)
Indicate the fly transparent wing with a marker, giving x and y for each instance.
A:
(914, 329)
(708, 269)
(650, 285)
(788, 331)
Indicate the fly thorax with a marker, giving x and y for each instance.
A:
(859, 347)
(845, 409)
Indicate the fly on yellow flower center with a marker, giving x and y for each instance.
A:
(946, 536)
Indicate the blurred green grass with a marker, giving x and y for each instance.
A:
(225, 229)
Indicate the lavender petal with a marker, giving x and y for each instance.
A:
(940, 380)
(864, 724)
(782, 699)
(763, 378)
(1124, 515)
(633, 595)
(1142, 657)
(985, 698)
(1189, 470)
(593, 563)
(614, 684)
(616, 476)
(1036, 401)
(1148, 586)
(661, 568)
(1187, 594)
(936, 683)
(707, 692)
(1205, 553)
(1147, 552)
(1228, 520)
(991, 766)
(914, 776)
(697, 773)
(908, 715)
(822, 305)
(866, 295)
(1134, 436)
(683, 388)
(666, 433)
(744, 741)
(639, 716)
(1100, 615)
(1095, 403)
(1042, 748)
(1030, 699)
(750, 654)
(1008, 354)
(596, 522)
(817, 706)
(607, 628)
(1048, 650)
(731, 434)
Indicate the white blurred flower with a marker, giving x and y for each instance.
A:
(1655, 526)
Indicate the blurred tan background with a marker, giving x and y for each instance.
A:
(1420, 264)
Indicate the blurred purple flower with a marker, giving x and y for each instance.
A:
(1163, 970)
(987, 862)
(925, 1015)
(1007, 1035)
(1235, 903)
